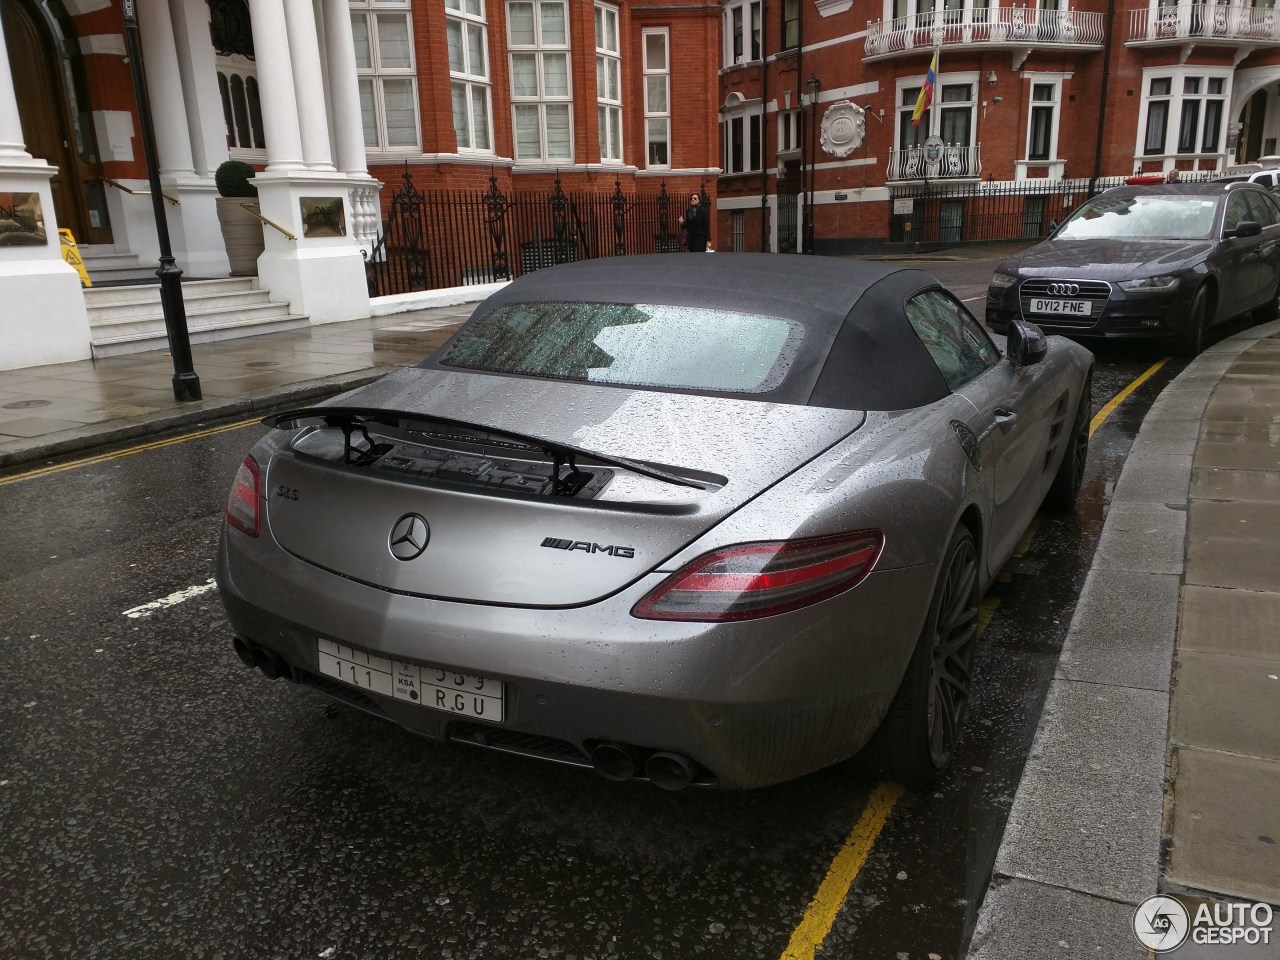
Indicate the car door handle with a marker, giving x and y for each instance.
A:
(1006, 420)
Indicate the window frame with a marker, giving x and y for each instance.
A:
(652, 116)
(791, 20)
(1163, 117)
(910, 87)
(750, 134)
(468, 79)
(540, 49)
(378, 76)
(607, 108)
(745, 46)
(1036, 108)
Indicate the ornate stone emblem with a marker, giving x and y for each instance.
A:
(844, 127)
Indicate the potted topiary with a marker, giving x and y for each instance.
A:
(241, 230)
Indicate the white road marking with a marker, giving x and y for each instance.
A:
(174, 598)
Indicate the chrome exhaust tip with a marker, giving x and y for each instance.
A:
(670, 771)
(613, 761)
(245, 652)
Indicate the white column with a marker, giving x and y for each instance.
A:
(275, 86)
(164, 88)
(308, 84)
(199, 66)
(344, 89)
(12, 146)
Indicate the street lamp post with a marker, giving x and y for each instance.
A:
(186, 384)
(813, 85)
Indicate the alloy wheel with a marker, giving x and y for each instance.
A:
(952, 653)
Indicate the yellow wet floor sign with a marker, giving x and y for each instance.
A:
(71, 254)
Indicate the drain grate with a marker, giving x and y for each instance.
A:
(263, 363)
(26, 404)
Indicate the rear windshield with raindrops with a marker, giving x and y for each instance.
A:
(640, 345)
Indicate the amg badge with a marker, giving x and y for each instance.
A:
(586, 546)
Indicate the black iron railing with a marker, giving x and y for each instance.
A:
(456, 238)
(957, 213)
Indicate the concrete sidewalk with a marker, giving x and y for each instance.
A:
(1157, 762)
(66, 407)
(1156, 766)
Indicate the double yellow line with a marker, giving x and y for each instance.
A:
(126, 452)
(820, 915)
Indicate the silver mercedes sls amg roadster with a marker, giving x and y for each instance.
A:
(700, 520)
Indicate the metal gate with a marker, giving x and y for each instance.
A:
(788, 222)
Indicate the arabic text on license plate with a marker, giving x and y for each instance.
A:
(1041, 305)
(431, 687)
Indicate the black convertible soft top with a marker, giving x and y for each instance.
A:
(858, 351)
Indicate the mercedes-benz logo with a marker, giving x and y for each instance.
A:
(1064, 289)
(409, 537)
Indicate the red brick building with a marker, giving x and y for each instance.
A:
(1039, 98)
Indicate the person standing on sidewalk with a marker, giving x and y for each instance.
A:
(696, 224)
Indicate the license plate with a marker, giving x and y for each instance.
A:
(1076, 307)
(431, 687)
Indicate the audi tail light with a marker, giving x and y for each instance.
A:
(751, 580)
(243, 504)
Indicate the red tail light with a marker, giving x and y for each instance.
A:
(751, 580)
(243, 511)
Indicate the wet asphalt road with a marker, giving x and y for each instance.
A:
(160, 800)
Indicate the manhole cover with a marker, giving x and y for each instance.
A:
(26, 404)
(263, 363)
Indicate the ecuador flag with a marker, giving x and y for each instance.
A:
(926, 92)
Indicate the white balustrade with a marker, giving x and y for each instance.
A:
(952, 162)
(1184, 21)
(1000, 26)
(366, 217)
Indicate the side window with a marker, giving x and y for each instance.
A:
(960, 348)
(1260, 209)
(1236, 211)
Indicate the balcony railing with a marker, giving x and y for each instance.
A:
(999, 27)
(952, 162)
(1190, 22)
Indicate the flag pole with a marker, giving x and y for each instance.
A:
(935, 125)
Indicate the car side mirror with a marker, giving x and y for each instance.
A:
(1027, 344)
(1245, 228)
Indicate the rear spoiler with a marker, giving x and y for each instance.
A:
(353, 420)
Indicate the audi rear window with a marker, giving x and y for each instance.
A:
(640, 345)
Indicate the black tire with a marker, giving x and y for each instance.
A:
(1065, 489)
(1190, 341)
(917, 740)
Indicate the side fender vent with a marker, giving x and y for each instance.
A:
(969, 442)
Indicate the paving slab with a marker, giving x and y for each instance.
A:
(1244, 564)
(1218, 483)
(1123, 630)
(1031, 921)
(1238, 456)
(1231, 622)
(1226, 825)
(1087, 814)
(1233, 520)
(1230, 704)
